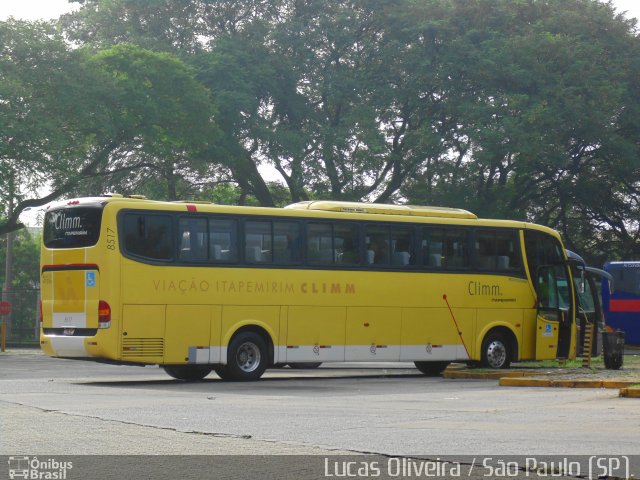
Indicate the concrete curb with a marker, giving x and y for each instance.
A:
(524, 378)
(550, 382)
(488, 375)
(630, 392)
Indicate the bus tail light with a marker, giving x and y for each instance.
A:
(104, 314)
(40, 312)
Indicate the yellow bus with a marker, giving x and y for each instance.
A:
(196, 287)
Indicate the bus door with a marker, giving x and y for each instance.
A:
(554, 326)
(589, 309)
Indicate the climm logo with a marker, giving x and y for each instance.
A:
(62, 222)
(484, 289)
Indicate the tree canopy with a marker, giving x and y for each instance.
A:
(522, 109)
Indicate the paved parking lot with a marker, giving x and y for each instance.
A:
(70, 407)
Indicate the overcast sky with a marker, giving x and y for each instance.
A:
(46, 9)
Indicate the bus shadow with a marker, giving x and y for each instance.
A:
(288, 381)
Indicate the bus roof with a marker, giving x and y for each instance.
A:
(624, 263)
(383, 209)
(317, 209)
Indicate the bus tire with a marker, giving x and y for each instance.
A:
(247, 358)
(431, 369)
(496, 351)
(301, 365)
(188, 373)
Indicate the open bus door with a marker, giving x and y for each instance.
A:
(590, 308)
(555, 324)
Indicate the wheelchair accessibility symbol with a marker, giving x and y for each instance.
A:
(90, 279)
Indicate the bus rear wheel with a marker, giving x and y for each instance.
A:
(188, 373)
(496, 351)
(431, 369)
(247, 358)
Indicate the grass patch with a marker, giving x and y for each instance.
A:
(552, 364)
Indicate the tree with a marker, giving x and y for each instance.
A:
(543, 96)
(161, 120)
(517, 109)
(42, 116)
(26, 264)
(75, 121)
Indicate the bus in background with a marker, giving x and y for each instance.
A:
(622, 306)
(196, 287)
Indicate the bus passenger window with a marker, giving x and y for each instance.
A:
(192, 233)
(401, 247)
(346, 244)
(508, 251)
(486, 250)
(223, 240)
(257, 242)
(432, 241)
(287, 246)
(148, 236)
(320, 248)
(378, 245)
(456, 253)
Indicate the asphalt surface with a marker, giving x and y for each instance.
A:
(65, 407)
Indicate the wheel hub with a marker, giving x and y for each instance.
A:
(248, 357)
(496, 354)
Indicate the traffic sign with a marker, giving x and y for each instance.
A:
(5, 308)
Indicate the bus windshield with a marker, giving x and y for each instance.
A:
(72, 227)
(626, 277)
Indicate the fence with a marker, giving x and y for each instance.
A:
(22, 324)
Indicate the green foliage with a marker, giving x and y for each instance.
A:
(513, 109)
(26, 260)
(44, 113)
(230, 194)
(160, 119)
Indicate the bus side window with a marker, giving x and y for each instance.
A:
(258, 242)
(509, 258)
(149, 236)
(485, 252)
(192, 233)
(456, 250)
(378, 247)
(432, 241)
(287, 243)
(223, 240)
(402, 246)
(320, 243)
(497, 251)
(346, 244)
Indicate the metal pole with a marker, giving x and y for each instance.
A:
(37, 323)
(8, 270)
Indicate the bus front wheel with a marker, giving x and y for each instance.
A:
(496, 351)
(188, 373)
(247, 358)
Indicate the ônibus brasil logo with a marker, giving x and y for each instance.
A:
(33, 468)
